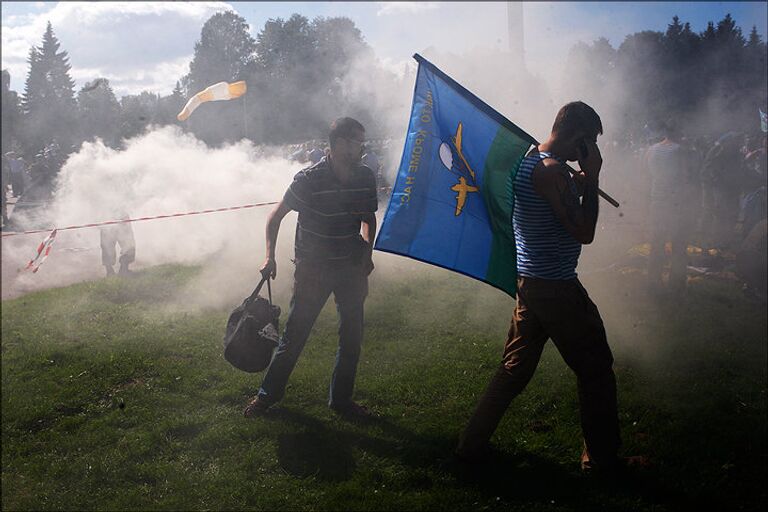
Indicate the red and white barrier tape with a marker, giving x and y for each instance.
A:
(183, 214)
(43, 250)
(106, 223)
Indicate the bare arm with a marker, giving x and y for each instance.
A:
(552, 182)
(273, 227)
(369, 235)
(369, 227)
(579, 179)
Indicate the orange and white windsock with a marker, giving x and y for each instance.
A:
(43, 250)
(217, 92)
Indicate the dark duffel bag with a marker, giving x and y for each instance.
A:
(252, 332)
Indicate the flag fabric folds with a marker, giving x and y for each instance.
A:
(216, 92)
(452, 200)
(763, 121)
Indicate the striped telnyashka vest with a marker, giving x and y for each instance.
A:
(545, 249)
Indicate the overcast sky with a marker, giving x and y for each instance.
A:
(148, 45)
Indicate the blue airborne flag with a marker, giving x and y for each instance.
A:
(452, 201)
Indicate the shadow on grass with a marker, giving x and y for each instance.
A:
(319, 454)
(316, 449)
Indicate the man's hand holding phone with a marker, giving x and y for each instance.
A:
(590, 159)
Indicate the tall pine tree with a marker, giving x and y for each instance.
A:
(48, 102)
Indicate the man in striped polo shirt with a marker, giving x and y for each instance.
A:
(550, 225)
(333, 199)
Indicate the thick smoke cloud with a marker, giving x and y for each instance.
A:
(162, 172)
(167, 171)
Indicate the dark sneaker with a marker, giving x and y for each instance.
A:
(618, 467)
(256, 407)
(354, 411)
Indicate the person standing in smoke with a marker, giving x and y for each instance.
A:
(4, 179)
(724, 176)
(756, 177)
(17, 171)
(113, 235)
(334, 199)
(550, 225)
(371, 161)
(673, 200)
(315, 154)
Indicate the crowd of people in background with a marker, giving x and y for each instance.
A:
(31, 183)
(692, 196)
(696, 196)
(376, 156)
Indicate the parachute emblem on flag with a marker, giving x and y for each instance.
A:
(458, 166)
(221, 91)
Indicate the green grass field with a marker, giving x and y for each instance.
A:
(115, 397)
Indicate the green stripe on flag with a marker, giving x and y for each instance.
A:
(501, 163)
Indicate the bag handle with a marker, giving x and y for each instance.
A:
(259, 286)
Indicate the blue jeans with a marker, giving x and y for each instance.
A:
(313, 284)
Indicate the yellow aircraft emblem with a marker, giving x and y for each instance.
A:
(461, 167)
(463, 189)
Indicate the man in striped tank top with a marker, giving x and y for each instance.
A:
(550, 224)
(333, 198)
(672, 196)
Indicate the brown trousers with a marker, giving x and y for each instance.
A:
(562, 311)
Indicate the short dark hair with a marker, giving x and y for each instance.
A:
(576, 116)
(670, 128)
(343, 127)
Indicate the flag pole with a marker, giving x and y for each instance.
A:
(245, 115)
(600, 191)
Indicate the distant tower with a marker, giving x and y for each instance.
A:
(516, 33)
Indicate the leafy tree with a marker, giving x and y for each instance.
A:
(99, 112)
(282, 47)
(338, 44)
(312, 72)
(284, 52)
(225, 52)
(597, 62)
(711, 82)
(137, 112)
(347, 64)
(169, 106)
(300, 74)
